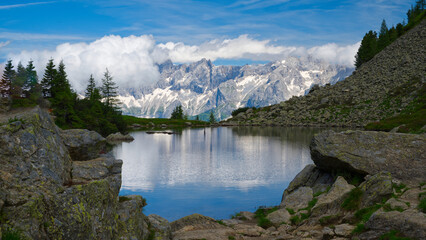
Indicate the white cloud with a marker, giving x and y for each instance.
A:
(23, 5)
(132, 60)
(4, 44)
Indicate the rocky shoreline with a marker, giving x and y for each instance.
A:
(63, 184)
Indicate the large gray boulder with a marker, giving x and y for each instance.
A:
(411, 223)
(368, 153)
(83, 144)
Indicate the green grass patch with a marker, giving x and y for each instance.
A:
(123, 199)
(10, 234)
(221, 222)
(364, 214)
(291, 211)
(360, 227)
(399, 188)
(353, 201)
(393, 235)
(422, 205)
(294, 220)
(265, 223)
(261, 214)
(231, 238)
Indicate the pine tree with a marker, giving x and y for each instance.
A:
(63, 99)
(90, 88)
(384, 38)
(177, 113)
(8, 77)
(31, 80)
(367, 49)
(109, 91)
(48, 79)
(212, 119)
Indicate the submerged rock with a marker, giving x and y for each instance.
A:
(118, 137)
(362, 152)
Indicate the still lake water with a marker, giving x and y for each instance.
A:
(213, 171)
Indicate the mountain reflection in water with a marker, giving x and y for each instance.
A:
(213, 171)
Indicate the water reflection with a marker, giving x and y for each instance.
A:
(229, 169)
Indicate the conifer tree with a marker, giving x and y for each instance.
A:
(212, 119)
(177, 113)
(8, 77)
(48, 79)
(90, 88)
(384, 39)
(19, 81)
(31, 80)
(367, 49)
(109, 91)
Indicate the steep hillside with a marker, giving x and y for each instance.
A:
(387, 85)
(201, 86)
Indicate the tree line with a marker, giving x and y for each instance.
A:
(97, 111)
(178, 114)
(372, 43)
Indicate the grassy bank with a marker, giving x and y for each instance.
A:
(149, 122)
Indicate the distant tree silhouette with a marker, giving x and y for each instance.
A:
(177, 113)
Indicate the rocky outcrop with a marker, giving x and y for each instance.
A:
(380, 88)
(83, 144)
(118, 137)
(402, 155)
(60, 184)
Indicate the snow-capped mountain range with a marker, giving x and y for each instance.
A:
(201, 86)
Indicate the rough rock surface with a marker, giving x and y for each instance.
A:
(161, 227)
(83, 144)
(132, 223)
(402, 155)
(330, 202)
(278, 217)
(410, 222)
(376, 188)
(46, 195)
(298, 199)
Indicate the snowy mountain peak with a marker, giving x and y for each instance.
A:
(201, 86)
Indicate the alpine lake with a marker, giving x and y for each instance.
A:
(215, 172)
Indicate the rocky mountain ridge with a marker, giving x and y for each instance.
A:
(201, 86)
(383, 87)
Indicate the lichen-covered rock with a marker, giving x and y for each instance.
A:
(343, 230)
(297, 199)
(160, 226)
(376, 188)
(83, 144)
(330, 203)
(118, 137)
(45, 195)
(132, 223)
(411, 223)
(362, 152)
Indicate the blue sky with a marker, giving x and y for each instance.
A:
(228, 32)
